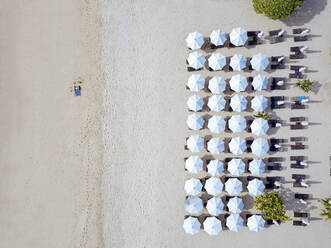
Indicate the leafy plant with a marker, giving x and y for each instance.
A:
(326, 212)
(305, 85)
(276, 9)
(262, 114)
(271, 206)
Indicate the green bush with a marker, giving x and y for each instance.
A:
(262, 114)
(326, 212)
(276, 9)
(305, 85)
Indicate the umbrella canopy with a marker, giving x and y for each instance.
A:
(195, 143)
(193, 186)
(237, 123)
(215, 145)
(238, 36)
(255, 187)
(256, 167)
(259, 103)
(213, 186)
(216, 103)
(216, 124)
(233, 186)
(234, 222)
(215, 206)
(195, 103)
(259, 62)
(260, 147)
(238, 62)
(195, 121)
(217, 37)
(217, 61)
(255, 223)
(191, 225)
(237, 145)
(238, 83)
(235, 205)
(194, 40)
(238, 103)
(193, 204)
(217, 85)
(196, 82)
(212, 225)
(215, 167)
(196, 60)
(260, 82)
(259, 126)
(194, 164)
(236, 167)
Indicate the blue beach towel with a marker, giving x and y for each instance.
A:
(77, 90)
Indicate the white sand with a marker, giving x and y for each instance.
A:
(144, 56)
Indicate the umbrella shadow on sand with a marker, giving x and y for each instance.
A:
(290, 203)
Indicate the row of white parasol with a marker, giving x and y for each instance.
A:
(217, 84)
(217, 61)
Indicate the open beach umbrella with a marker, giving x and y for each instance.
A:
(234, 222)
(191, 225)
(238, 83)
(255, 223)
(255, 187)
(217, 37)
(216, 124)
(238, 103)
(194, 40)
(238, 36)
(215, 146)
(238, 62)
(237, 123)
(213, 186)
(196, 60)
(215, 167)
(217, 61)
(212, 225)
(256, 167)
(260, 147)
(195, 121)
(237, 145)
(195, 143)
(259, 126)
(215, 206)
(216, 103)
(260, 82)
(194, 164)
(193, 204)
(236, 167)
(259, 62)
(235, 205)
(217, 85)
(195, 82)
(233, 186)
(259, 103)
(195, 103)
(193, 186)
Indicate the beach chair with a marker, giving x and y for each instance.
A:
(300, 38)
(297, 56)
(276, 39)
(301, 196)
(295, 49)
(275, 159)
(298, 223)
(300, 214)
(252, 33)
(298, 176)
(297, 30)
(277, 98)
(297, 126)
(296, 75)
(297, 146)
(298, 105)
(275, 166)
(274, 32)
(295, 139)
(296, 119)
(277, 66)
(297, 158)
(297, 166)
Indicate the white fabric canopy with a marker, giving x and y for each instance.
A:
(195, 143)
(238, 83)
(237, 123)
(233, 186)
(216, 124)
(259, 103)
(238, 103)
(217, 37)
(236, 167)
(255, 187)
(194, 164)
(234, 222)
(259, 126)
(193, 204)
(216, 103)
(238, 36)
(195, 121)
(260, 147)
(213, 186)
(259, 62)
(193, 186)
(215, 145)
(196, 82)
(238, 62)
(237, 145)
(215, 167)
(194, 40)
(217, 61)
(195, 103)
(212, 225)
(217, 85)
(196, 60)
(255, 223)
(260, 82)
(235, 205)
(191, 225)
(256, 167)
(215, 206)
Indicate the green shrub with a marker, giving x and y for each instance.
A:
(276, 9)
(326, 212)
(262, 114)
(305, 85)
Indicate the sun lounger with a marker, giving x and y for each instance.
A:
(273, 179)
(298, 146)
(276, 58)
(300, 38)
(277, 106)
(296, 119)
(274, 32)
(297, 126)
(297, 184)
(277, 66)
(301, 196)
(300, 215)
(296, 67)
(298, 105)
(252, 33)
(295, 49)
(277, 141)
(297, 30)
(297, 158)
(274, 167)
(296, 75)
(275, 159)
(297, 56)
(276, 39)
(298, 176)
(297, 166)
(277, 98)
(298, 223)
(295, 139)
